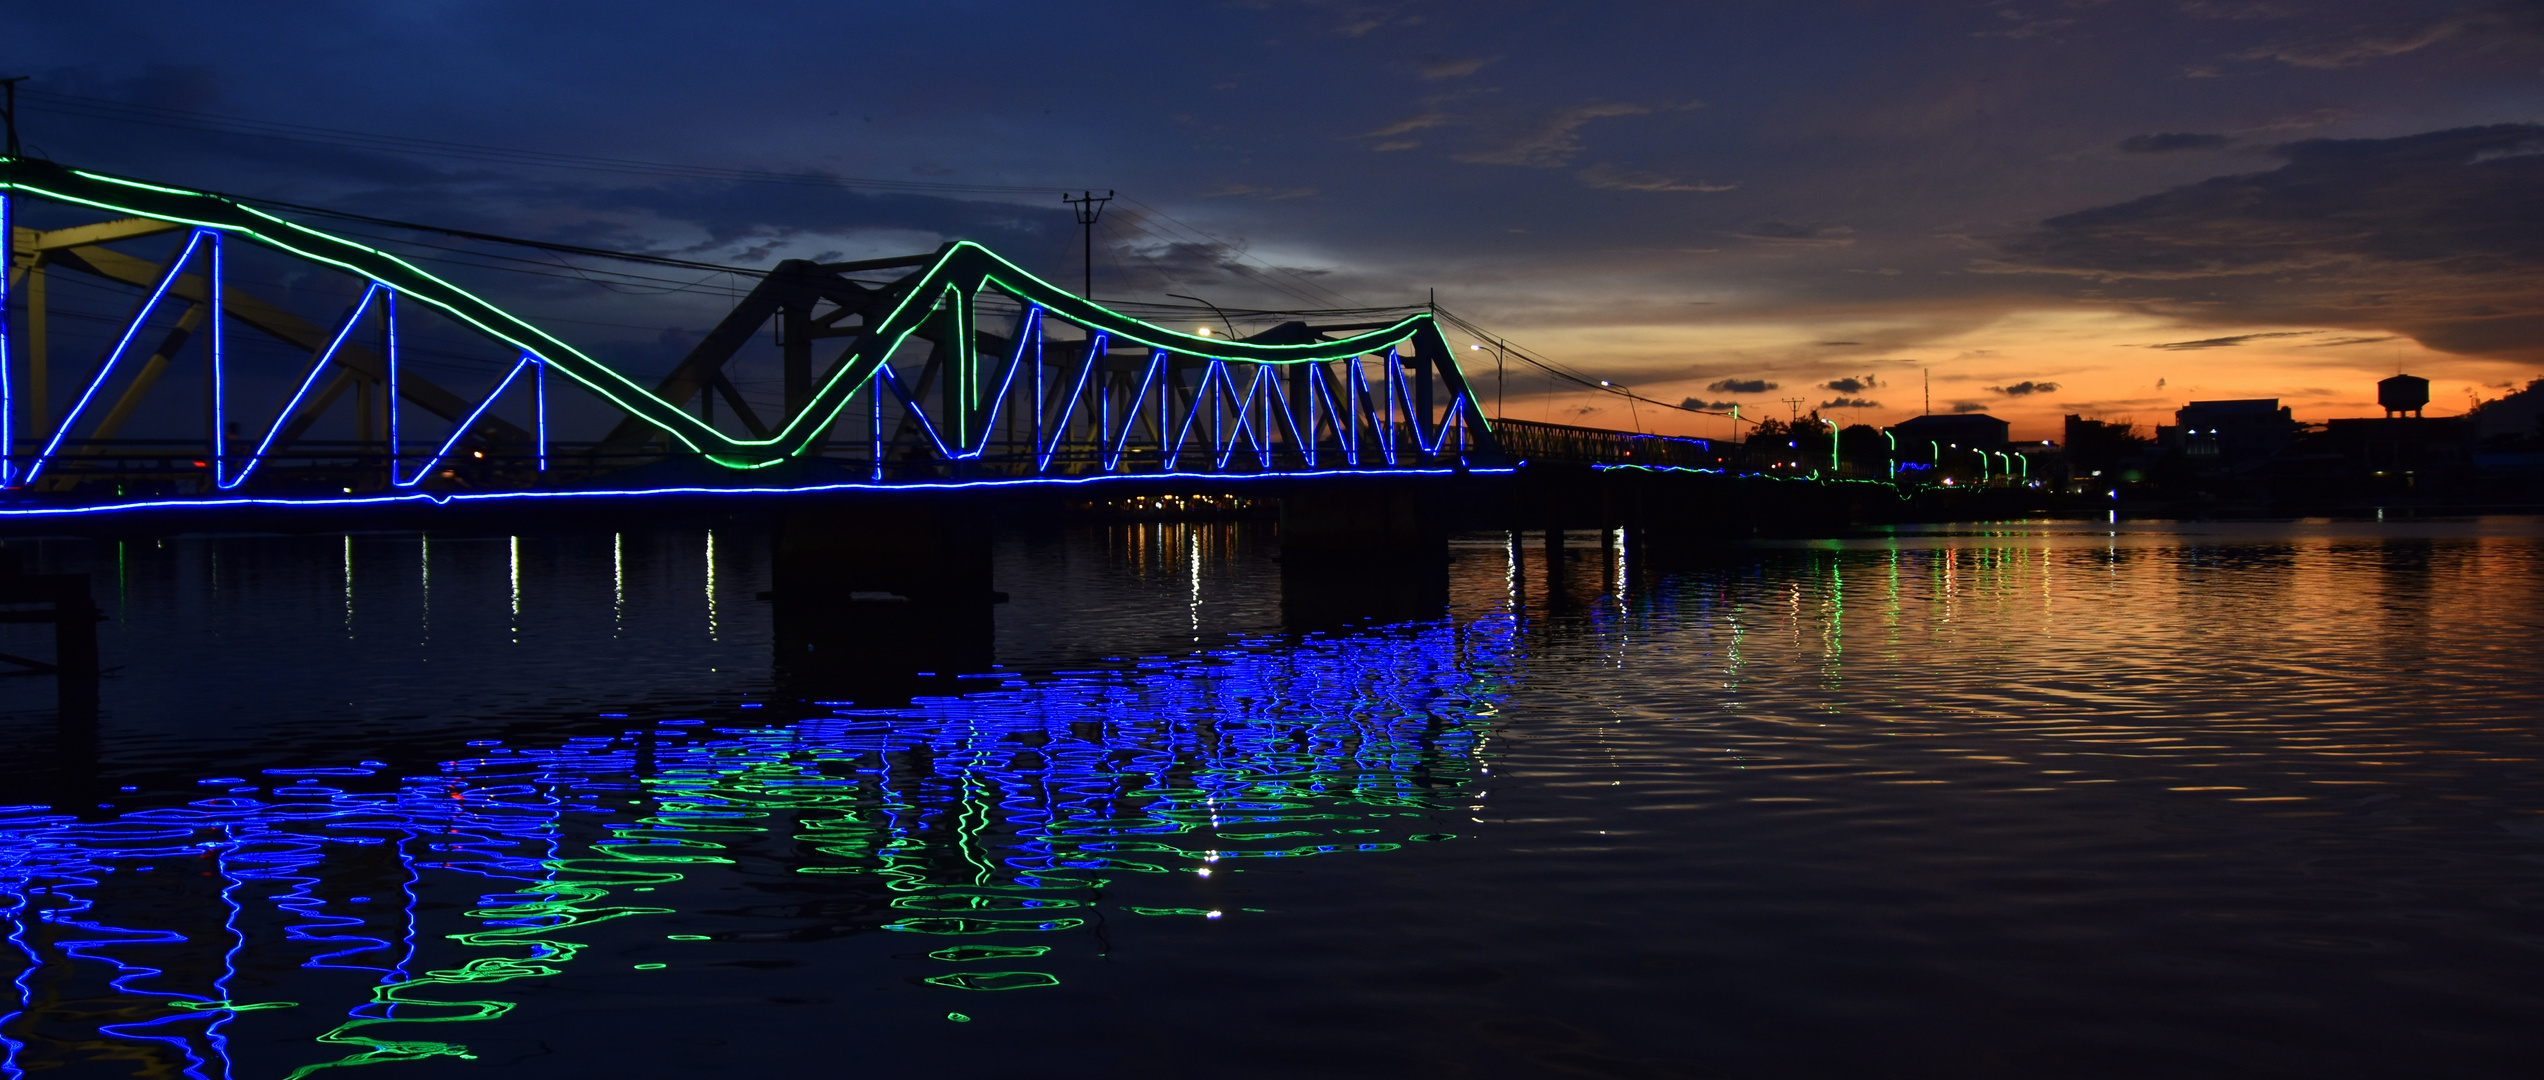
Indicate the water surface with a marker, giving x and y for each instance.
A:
(2182, 800)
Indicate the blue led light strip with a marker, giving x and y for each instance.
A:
(1130, 416)
(539, 400)
(910, 404)
(1346, 431)
(114, 356)
(960, 272)
(220, 433)
(1029, 326)
(1289, 421)
(464, 427)
(466, 497)
(8, 407)
(389, 349)
(317, 366)
(1209, 373)
(1096, 345)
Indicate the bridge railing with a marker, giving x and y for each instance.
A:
(1529, 440)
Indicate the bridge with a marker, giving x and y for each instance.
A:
(964, 369)
(267, 373)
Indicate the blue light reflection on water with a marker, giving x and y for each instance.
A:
(991, 821)
(2055, 800)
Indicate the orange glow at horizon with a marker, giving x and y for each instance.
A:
(2030, 368)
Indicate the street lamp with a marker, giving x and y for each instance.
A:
(1834, 468)
(1500, 399)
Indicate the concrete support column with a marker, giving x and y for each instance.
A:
(870, 596)
(1358, 552)
(1355, 521)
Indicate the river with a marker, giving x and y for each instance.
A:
(2075, 800)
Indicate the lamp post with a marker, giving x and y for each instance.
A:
(1834, 467)
(1630, 408)
(1498, 395)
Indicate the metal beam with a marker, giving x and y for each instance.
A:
(149, 375)
(103, 232)
(696, 370)
(291, 329)
(741, 409)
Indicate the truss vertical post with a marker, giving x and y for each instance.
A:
(1418, 372)
(539, 406)
(1302, 409)
(1041, 397)
(8, 254)
(874, 421)
(389, 354)
(1395, 382)
(39, 350)
(795, 342)
(213, 359)
(962, 374)
(1269, 386)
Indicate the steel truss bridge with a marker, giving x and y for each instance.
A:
(966, 370)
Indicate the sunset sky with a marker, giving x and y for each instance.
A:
(2100, 208)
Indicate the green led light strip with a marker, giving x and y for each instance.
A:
(962, 268)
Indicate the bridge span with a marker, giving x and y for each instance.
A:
(956, 368)
(267, 374)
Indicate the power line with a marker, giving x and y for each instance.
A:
(126, 112)
(1268, 273)
(1558, 372)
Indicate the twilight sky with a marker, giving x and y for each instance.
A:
(2107, 208)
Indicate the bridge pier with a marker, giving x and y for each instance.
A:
(1353, 520)
(873, 596)
(1362, 551)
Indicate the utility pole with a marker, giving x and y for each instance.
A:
(1793, 406)
(1089, 207)
(9, 110)
(1929, 393)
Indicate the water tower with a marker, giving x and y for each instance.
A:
(2402, 394)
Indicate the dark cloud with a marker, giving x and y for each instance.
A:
(2410, 29)
(1428, 118)
(1852, 384)
(1740, 386)
(1969, 406)
(1785, 232)
(2439, 235)
(2224, 342)
(1849, 403)
(2365, 340)
(1451, 69)
(2171, 141)
(2025, 388)
(1708, 406)
(1611, 178)
(1225, 190)
(1551, 140)
(2208, 9)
